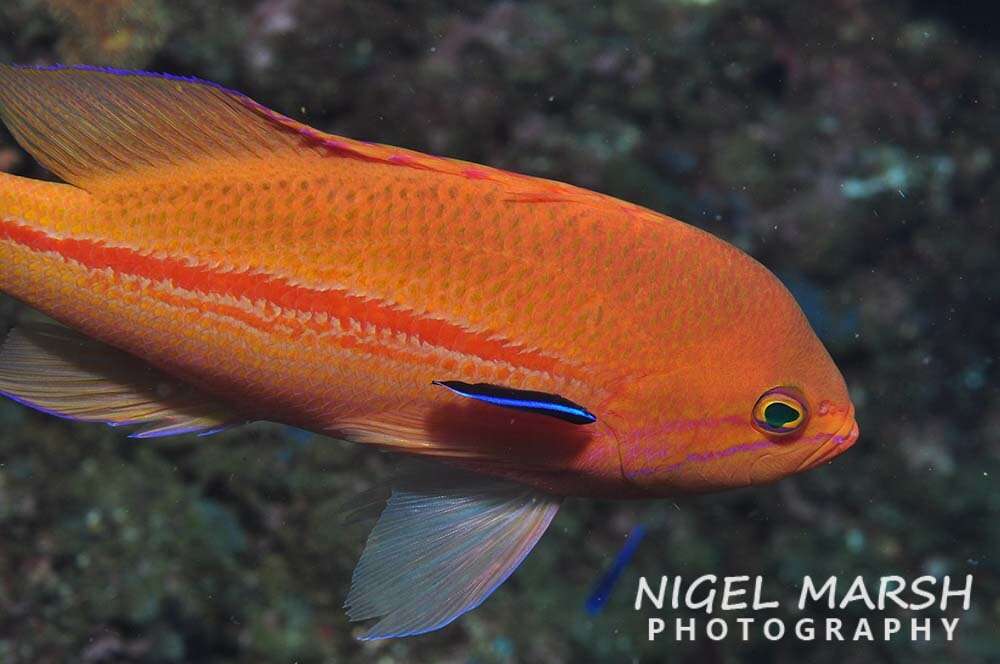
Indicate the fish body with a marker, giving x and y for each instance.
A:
(274, 272)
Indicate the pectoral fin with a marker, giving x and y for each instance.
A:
(444, 542)
(56, 370)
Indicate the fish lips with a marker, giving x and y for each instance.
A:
(838, 443)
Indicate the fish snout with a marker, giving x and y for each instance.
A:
(848, 432)
(840, 441)
(852, 436)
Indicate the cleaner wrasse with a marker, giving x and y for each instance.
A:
(208, 262)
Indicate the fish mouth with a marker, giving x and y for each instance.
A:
(845, 440)
(838, 443)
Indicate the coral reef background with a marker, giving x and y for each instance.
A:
(850, 145)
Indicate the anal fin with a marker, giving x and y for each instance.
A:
(444, 542)
(56, 370)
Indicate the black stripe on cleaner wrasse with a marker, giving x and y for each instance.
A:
(531, 401)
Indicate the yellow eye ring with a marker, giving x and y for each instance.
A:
(779, 412)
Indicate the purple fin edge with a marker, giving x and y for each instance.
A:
(138, 434)
(131, 72)
(305, 131)
(444, 622)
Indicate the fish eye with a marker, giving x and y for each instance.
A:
(779, 412)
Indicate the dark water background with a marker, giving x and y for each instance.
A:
(851, 146)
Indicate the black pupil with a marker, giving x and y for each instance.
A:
(779, 414)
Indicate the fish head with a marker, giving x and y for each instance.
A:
(754, 398)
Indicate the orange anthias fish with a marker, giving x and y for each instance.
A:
(214, 262)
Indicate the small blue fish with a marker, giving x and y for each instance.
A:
(531, 401)
(602, 589)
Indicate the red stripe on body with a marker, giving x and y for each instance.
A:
(278, 291)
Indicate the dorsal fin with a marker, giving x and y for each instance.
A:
(85, 123)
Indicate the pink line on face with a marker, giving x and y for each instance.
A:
(739, 448)
(700, 457)
(677, 426)
(664, 429)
